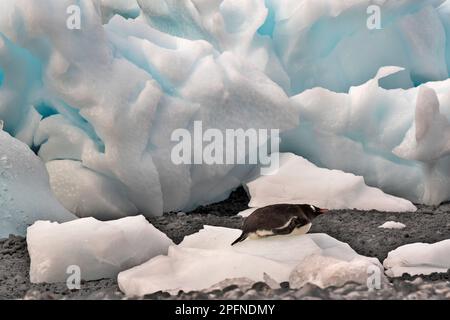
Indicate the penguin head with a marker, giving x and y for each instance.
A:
(316, 211)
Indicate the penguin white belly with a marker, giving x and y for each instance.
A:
(267, 233)
(260, 234)
(302, 230)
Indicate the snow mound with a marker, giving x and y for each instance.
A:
(210, 251)
(25, 194)
(298, 181)
(418, 258)
(99, 249)
(392, 225)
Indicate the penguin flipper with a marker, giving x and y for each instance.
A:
(242, 237)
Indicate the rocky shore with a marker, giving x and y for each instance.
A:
(357, 228)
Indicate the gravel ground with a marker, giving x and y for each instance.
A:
(358, 228)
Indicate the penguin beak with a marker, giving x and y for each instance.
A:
(323, 210)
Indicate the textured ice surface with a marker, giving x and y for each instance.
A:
(299, 181)
(392, 225)
(107, 97)
(321, 42)
(88, 193)
(418, 258)
(206, 258)
(99, 249)
(370, 132)
(25, 194)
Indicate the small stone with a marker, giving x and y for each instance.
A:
(354, 295)
(426, 286)
(215, 293)
(159, 295)
(418, 281)
(260, 286)
(311, 298)
(23, 287)
(418, 295)
(230, 288)
(250, 295)
(233, 294)
(309, 290)
(200, 296)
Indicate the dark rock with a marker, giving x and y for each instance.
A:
(230, 288)
(260, 286)
(309, 290)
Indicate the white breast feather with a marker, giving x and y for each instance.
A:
(266, 233)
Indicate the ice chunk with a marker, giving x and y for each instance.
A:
(357, 132)
(98, 249)
(392, 225)
(25, 194)
(428, 141)
(418, 258)
(299, 181)
(209, 251)
(326, 271)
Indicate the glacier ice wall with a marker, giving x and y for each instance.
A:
(25, 194)
(374, 132)
(106, 99)
(99, 104)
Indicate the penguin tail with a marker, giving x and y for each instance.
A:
(242, 237)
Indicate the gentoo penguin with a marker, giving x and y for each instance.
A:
(279, 219)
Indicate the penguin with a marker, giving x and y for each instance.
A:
(279, 219)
